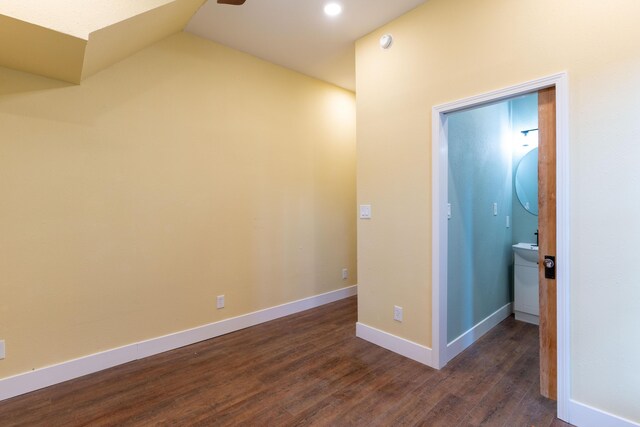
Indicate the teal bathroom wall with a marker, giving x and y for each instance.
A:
(479, 252)
(524, 115)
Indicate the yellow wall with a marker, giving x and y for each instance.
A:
(189, 170)
(28, 47)
(450, 49)
(111, 44)
(52, 42)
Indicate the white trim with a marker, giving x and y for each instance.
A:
(439, 221)
(440, 241)
(527, 317)
(586, 416)
(402, 346)
(563, 252)
(44, 377)
(458, 345)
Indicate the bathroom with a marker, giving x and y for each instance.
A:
(492, 217)
(524, 119)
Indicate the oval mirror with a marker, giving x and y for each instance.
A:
(527, 181)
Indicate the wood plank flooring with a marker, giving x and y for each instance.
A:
(305, 369)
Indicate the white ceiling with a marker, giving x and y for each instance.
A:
(297, 34)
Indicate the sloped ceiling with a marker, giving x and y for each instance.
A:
(70, 40)
(297, 34)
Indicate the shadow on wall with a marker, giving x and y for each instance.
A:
(73, 100)
(18, 82)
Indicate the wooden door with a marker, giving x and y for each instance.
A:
(547, 237)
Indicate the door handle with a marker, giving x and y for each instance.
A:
(549, 267)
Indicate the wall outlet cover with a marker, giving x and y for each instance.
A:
(220, 301)
(397, 313)
(365, 211)
(2, 354)
(345, 273)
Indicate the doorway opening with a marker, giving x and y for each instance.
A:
(492, 206)
(453, 332)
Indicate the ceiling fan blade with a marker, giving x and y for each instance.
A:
(233, 2)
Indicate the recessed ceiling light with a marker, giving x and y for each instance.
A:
(332, 9)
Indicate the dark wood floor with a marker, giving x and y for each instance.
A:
(306, 369)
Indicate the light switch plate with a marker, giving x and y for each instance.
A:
(365, 211)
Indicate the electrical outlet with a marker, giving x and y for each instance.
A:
(397, 313)
(1, 349)
(220, 301)
(365, 211)
(495, 209)
(345, 273)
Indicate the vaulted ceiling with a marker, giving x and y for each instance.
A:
(297, 34)
(70, 40)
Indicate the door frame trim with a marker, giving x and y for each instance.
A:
(440, 171)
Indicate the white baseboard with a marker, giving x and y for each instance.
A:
(402, 346)
(582, 415)
(526, 317)
(458, 345)
(44, 377)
